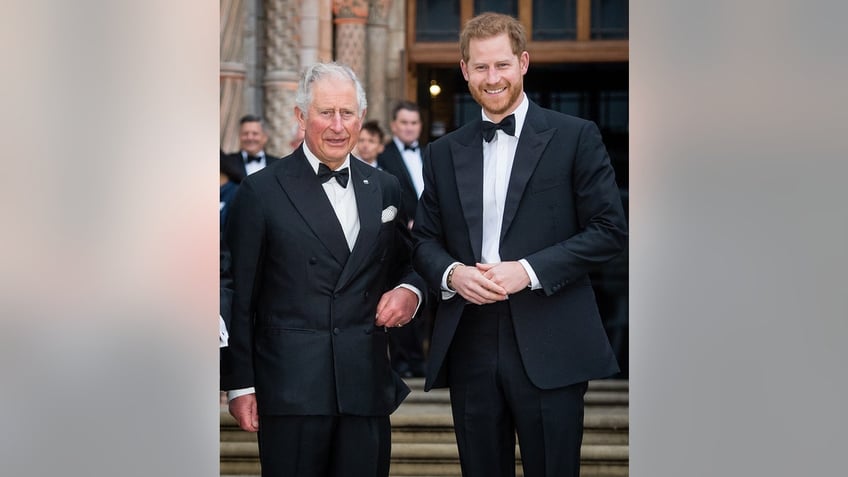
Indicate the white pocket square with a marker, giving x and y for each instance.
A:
(388, 214)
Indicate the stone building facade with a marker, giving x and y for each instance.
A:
(266, 44)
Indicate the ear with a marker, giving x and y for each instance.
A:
(524, 61)
(464, 69)
(300, 116)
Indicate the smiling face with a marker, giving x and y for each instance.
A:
(251, 137)
(495, 75)
(331, 123)
(406, 126)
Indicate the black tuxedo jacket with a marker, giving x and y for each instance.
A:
(302, 329)
(233, 165)
(563, 214)
(391, 161)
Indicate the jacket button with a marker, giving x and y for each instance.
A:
(313, 260)
(336, 331)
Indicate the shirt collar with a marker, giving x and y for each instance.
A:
(400, 145)
(314, 162)
(244, 154)
(520, 114)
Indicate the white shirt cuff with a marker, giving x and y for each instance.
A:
(223, 336)
(447, 293)
(413, 290)
(534, 280)
(239, 392)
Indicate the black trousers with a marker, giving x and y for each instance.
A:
(492, 399)
(324, 446)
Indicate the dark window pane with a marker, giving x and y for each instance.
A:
(573, 103)
(465, 109)
(554, 20)
(509, 7)
(609, 19)
(613, 111)
(437, 20)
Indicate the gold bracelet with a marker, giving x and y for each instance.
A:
(450, 276)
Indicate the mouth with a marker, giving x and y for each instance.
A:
(336, 142)
(495, 91)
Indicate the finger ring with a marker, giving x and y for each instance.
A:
(399, 325)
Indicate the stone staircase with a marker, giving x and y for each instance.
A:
(423, 443)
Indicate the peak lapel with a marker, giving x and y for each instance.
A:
(535, 136)
(301, 185)
(467, 154)
(368, 206)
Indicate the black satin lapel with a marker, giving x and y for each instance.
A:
(369, 207)
(531, 144)
(468, 164)
(301, 185)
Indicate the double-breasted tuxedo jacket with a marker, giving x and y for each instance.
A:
(233, 165)
(303, 329)
(562, 213)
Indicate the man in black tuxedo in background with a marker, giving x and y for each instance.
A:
(401, 157)
(518, 207)
(251, 157)
(321, 266)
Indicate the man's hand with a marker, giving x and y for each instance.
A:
(243, 408)
(510, 275)
(396, 307)
(478, 289)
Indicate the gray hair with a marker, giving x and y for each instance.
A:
(318, 71)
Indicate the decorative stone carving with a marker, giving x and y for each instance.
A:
(282, 54)
(233, 72)
(350, 8)
(350, 18)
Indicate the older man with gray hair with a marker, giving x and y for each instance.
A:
(321, 268)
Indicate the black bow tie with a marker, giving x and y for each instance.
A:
(507, 125)
(252, 159)
(410, 147)
(325, 174)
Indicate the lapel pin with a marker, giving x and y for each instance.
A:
(364, 181)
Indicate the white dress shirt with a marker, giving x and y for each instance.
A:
(341, 198)
(412, 160)
(253, 166)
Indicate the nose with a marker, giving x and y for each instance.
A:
(492, 76)
(336, 124)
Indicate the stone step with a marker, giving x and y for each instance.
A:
(436, 425)
(599, 384)
(591, 398)
(424, 445)
(600, 393)
(242, 458)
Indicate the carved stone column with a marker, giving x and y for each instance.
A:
(316, 29)
(282, 72)
(377, 48)
(233, 72)
(396, 67)
(350, 19)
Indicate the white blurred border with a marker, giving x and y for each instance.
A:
(739, 310)
(109, 284)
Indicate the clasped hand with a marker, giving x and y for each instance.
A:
(487, 283)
